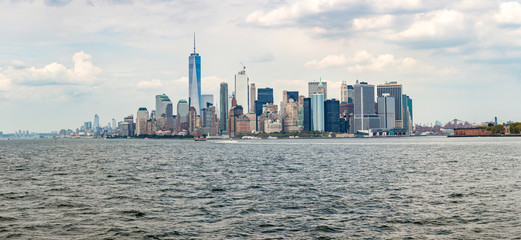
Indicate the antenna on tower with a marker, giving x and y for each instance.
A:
(194, 42)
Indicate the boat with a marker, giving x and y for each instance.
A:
(200, 139)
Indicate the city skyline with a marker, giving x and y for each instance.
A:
(454, 69)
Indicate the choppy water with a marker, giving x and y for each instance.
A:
(389, 188)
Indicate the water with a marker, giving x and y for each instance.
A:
(386, 188)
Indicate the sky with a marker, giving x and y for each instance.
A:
(63, 61)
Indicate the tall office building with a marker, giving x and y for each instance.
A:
(346, 93)
(317, 112)
(395, 90)
(252, 98)
(365, 117)
(114, 126)
(205, 99)
(160, 106)
(264, 96)
(182, 114)
(317, 87)
(307, 115)
(242, 83)
(96, 122)
(292, 95)
(332, 115)
(141, 121)
(169, 114)
(194, 80)
(223, 96)
(343, 92)
(386, 111)
(407, 113)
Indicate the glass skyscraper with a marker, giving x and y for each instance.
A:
(264, 96)
(332, 115)
(317, 112)
(194, 80)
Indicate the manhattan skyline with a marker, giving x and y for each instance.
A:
(71, 60)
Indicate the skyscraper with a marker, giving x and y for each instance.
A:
(160, 107)
(242, 89)
(194, 80)
(364, 113)
(224, 106)
(96, 122)
(182, 114)
(141, 121)
(346, 93)
(317, 87)
(407, 113)
(332, 115)
(205, 99)
(252, 98)
(307, 115)
(343, 92)
(317, 112)
(395, 90)
(264, 96)
(114, 126)
(386, 111)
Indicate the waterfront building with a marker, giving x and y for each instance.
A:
(407, 110)
(317, 87)
(192, 121)
(386, 111)
(223, 96)
(114, 126)
(131, 127)
(242, 89)
(365, 117)
(332, 115)
(182, 115)
(292, 116)
(394, 90)
(264, 96)
(161, 102)
(194, 80)
(346, 93)
(317, 112)
(141, 121)
(96, 126)
(124, 129)
(252, 98)
(169, 112)
(307, 115)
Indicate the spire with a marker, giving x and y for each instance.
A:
(320, 83)
(194, 42)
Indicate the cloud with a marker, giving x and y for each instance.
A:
(365, 62)
(328, 61)
(5, 83)
(371, 23)
(509, 13)
(154, 83)
(83, 72)
(441, 28)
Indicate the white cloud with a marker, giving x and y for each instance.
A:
(328, 61)
(441, 23)
(509, 13)
(83, 72)
(289, 13)
(365, 62)
(373, 22)
(154, 83)
(5, 83)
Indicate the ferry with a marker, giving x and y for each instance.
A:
(200, 139)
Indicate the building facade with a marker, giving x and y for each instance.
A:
(317, 112)
(394, 90)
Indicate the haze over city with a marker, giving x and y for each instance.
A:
(64, 61)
